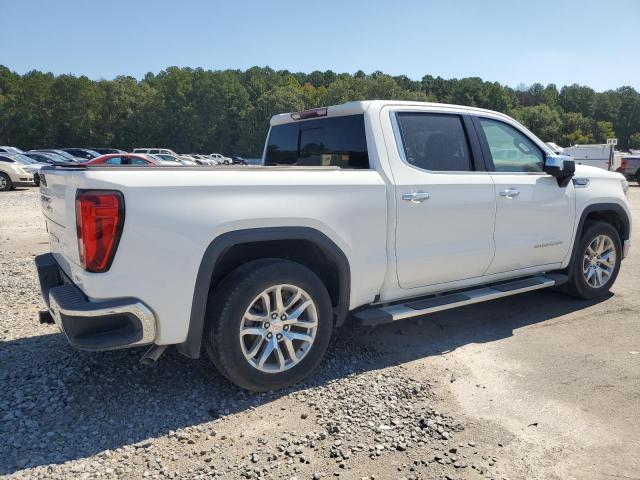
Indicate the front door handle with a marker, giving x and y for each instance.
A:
(415, 197)
(509, 193)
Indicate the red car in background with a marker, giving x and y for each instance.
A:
(125, 159)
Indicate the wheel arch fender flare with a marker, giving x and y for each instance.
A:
(216, 250)
(625, 221)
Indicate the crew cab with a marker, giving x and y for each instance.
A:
(366, 212)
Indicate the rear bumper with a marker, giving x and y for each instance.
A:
(102, 325)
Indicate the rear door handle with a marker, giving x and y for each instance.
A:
(509, 193)
(415, 197)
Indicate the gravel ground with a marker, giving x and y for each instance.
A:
(394, 402)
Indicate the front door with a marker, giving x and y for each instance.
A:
(445, 202)
(534, 218)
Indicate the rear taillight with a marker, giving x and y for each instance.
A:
(99, 222)
(623, 164)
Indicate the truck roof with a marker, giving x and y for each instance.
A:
(361, 106)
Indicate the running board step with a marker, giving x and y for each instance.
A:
(417, 307)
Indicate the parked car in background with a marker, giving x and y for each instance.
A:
(45, 157)
(13, 174)
(202, 159)
(106, 150)
(84, 153)
(30, 166)
(126, 159)
(220, 158)
(598, 155)
(239, 161)
(62, 153)
(7, 149)
(175, 158)
(630, 167)
(154, 151)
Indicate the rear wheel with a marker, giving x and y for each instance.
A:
(596, 261)
(5, 182)
(269, 324)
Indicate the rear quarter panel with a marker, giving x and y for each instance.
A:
(172, 215)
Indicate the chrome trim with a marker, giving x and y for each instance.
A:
(415, 197)
(510, 193)
(581, 182)
(475, 295)
(137, 309)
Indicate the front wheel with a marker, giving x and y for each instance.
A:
(5, 182)
(269, 324)
(596, 261)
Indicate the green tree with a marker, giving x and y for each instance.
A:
(542, 120)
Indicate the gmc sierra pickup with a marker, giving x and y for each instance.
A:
(369, 212)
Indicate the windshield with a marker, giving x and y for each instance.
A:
(56, 157)
(64, 154)
(23, 159)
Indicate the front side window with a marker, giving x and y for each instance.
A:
(435, 142)
(332, 141)
(511, 150)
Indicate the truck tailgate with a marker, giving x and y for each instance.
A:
(57, 199)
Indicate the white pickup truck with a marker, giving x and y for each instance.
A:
(369, 211)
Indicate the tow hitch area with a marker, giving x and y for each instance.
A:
(45, 317)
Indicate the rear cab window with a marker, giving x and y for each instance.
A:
(435, 141)
(327, 142)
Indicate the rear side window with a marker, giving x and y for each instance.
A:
(333, 141)
(436, 142)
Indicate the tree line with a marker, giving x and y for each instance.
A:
(196, 110)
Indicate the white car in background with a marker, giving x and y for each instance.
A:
(221, 159)
(13, 174)
(180, 160)
(7, 149)
(29, 165)
(202, 159)
(155, 151)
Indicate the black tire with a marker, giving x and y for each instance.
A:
(577, 285)
(36, 179)
(7, 184)
(227, 306)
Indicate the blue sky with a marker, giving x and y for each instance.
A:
(590, 42)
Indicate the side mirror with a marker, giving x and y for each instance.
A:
(560, 166)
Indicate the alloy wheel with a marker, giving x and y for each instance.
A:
(279, 328)
(599, 261)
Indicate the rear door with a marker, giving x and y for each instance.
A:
(445, 203)
(534, 218)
